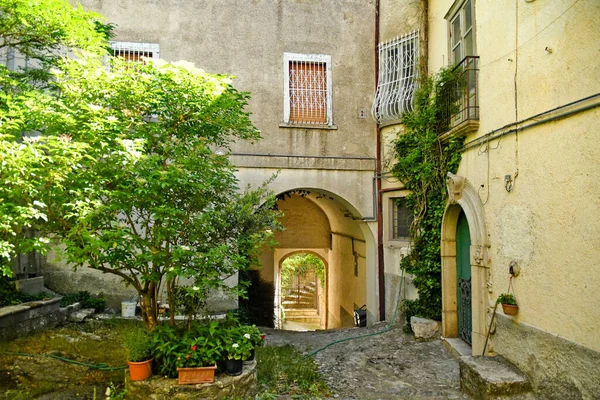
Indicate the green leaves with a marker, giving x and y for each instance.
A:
(422, 165)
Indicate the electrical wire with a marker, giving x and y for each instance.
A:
(386, 329)
(99, 366)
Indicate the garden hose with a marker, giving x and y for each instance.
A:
(386, 329)
(99, 366)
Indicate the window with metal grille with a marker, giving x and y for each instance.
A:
(135, 52)
(397, 77)
(401, 219)
(307, 84)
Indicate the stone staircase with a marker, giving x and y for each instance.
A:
(300, 305)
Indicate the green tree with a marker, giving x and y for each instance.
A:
(156, 202)
(34, 165)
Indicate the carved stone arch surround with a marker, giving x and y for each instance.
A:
(462, 195)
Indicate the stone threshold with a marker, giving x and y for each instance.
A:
(457, 347)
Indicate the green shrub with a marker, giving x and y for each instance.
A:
(98, 303)
(138, 343)
(10, 296)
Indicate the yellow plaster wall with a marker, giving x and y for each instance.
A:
(345, 290)
(550, 221)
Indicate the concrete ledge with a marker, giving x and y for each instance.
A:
(243, 386)
(491, 378)
(27, 318)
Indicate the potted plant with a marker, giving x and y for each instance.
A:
(198, 352)
(139, 349)
(509, 303)
(238, 349)
(252, 334)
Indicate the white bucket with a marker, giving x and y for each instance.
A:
(128, 308)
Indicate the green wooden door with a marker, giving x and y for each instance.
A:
(463, 270)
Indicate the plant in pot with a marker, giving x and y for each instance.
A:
(509, 303)
(238, 349)
(139, 349)
(198, 352)
(252, 334)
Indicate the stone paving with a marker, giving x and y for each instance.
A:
(390, 365)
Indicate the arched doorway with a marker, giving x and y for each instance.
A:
(322, 224)
(465, 265)
(302, 292)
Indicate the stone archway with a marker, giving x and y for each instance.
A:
(322, 223)
(463, 196)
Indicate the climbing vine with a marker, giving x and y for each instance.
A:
(423, 162)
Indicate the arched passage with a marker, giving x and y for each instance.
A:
(321, 223)
(464, 198)
(301, 302)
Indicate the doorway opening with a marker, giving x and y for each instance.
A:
(302, 292)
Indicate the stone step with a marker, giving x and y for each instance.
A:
(304, 318)
(492, 378)
(301, 292)
(309, 312)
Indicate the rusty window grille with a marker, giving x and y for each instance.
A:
(398, 74)
(307, 82)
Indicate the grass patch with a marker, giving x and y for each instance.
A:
(93, 342)
(283, 370)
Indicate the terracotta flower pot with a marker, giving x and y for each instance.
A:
(510, 309)
(188, 376)
(138, 371)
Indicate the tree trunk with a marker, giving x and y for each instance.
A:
(149, 309)
(171, 302)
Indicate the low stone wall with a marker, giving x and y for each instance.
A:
(27, 318)
(557, 367)
(243, 386)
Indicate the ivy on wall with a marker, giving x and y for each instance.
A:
(423, 162)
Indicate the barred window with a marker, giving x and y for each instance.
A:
(397, 77)
(135, 52)
(307, 83)
(401, 218)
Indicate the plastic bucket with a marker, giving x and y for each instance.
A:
(128, 308)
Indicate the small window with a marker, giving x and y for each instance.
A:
(307, 84)
(461, 31)
(135, 52)
(397, 77)
(402, 218)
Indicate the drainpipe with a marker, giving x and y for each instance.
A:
(380, 261)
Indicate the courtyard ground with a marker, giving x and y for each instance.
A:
(384, 365)
(390, 365)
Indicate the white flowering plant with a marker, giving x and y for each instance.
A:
(238, 348)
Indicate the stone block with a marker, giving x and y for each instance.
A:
(425, 329)
(31, 286)
(79, 316)
(491, 378)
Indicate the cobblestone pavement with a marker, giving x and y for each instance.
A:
(390, 365)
